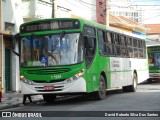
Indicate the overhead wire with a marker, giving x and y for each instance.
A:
(78, 6)
(84, 3)
(151, 17)
(81, 7)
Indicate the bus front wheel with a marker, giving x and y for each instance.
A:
(149, 81)
(49, 98)
(101, 93)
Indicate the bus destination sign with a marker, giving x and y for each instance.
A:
(155, 48)
(50, 25)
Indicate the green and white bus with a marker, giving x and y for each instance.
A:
(154, 62)
(73, 56)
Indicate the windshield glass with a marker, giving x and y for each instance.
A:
(51, 50)
(154, 59)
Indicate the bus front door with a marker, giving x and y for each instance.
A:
(90, 51)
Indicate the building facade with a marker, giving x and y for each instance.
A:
(126, 9)
(153, 33)
(151, 13)
(11, 19)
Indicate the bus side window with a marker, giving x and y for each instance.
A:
(136, 54)
(124, 46)
(117, 44)
(102, 42)
(140, 47)
(130, 47)
(144, 48)
(110, 45)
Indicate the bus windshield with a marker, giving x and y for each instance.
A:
(154, 59)
(51, 50)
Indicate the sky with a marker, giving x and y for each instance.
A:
(151, 10)
(150, 2)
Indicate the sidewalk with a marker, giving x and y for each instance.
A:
(13, 99)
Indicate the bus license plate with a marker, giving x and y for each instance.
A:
(48, 87)
(154, 75)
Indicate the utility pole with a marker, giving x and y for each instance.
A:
(107, 13)
(1, 38)
(54, 8)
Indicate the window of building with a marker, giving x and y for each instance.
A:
(10, 27)
(100, 4)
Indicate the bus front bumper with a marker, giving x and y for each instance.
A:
(154, 75)
(64, 87)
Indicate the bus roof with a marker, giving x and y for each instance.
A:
(153, 45)
(91, 23)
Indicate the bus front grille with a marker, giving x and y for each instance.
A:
(48, 90)
(45, 81)
(48, 71)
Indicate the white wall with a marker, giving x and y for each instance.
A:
(154, 37)
(35, 9)
(43, 10)
(28, 8)
(12, 13)
(87, 11)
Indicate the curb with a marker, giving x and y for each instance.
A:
(35, 100)
(20, 104)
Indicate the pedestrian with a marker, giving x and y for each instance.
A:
(25, 97)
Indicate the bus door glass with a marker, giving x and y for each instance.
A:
(89, 44)
(90, 57)
(89, 49)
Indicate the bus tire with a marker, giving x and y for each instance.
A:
(133, 87)
(101, 93)
(49, 98)
(149, 81)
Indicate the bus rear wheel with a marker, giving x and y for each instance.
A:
(133, 87)
(49, 98)
(101, 93)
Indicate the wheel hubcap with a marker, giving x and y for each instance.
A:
(101, 88)
(134, 82)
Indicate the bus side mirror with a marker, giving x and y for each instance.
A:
(15, 38)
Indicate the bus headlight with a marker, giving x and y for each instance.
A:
(80, 73)
(75, 77)
(23, 79)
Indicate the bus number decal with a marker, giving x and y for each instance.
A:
(56, 76)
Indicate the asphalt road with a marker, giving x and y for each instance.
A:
(147, 98)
